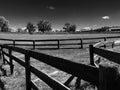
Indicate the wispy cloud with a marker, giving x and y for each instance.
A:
(106, 17)
(95, 25)
(51, 8)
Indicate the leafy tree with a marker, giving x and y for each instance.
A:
(30, 27)
(4, 27)
(102, 29)
(69, 28)
(66, 27)
(72, 28)
(44, 26)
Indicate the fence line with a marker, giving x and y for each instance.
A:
(109, 76)
(79, 42)
(96, 49)
(88, 73)
(85, 72)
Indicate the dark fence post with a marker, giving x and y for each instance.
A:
(69, 80)
(0, 52)
(113, 45)
(33, 44)
(77, 84)
(105, 40)
(81, 42)
(14, 43)
(3, 58)
(27, 71)
(58, 44)
(11, 61)
(109, 77)
(91, 51)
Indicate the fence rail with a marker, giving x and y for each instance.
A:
(109, 76)
(89, 73)
(85, 72)
(96, 49)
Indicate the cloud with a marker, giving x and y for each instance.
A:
(95, 25)
(105, 17)
(23, 28)
(87, 28)
(51, 8)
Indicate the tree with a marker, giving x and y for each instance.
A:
(72, 28)
(44, 26)
(102, 29)
(30, 27)
(4, 27)
(66, 27)
(69, 27)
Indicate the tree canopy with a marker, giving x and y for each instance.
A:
(44, 25)
(30, 27)
(69, 27)
(4, 25)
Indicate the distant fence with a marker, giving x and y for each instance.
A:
(85, 72)
(56, 43)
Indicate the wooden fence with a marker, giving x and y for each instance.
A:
(57, 43)
(89, 73)
(86, 72)
(109, 76)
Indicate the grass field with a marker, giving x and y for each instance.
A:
(17, 80)
(52, 36)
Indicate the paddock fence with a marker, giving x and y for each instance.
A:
(89, 73)
(75, 43)
(104, 57)
(81, 71)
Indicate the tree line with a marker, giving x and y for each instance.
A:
(45, 26)
(41, 26)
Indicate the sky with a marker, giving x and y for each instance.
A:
(83, 13)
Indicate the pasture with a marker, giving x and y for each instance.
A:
(52, 36)
(54, 39)
(17, 82)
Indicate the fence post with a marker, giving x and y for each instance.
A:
(33, 44)
(11, 61)
(14, 43)
(81, 42)
(113, 45)
(27, 71)
(0, 52)
(58, 44)
(91, 51)
(105, 40)
(77, 84)
(109, 78)
(69, 80)
(3, 58)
